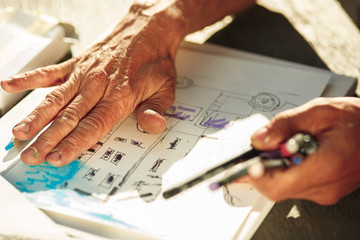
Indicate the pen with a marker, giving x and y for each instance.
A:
(211, 172)
(257, 166)
(299, 143)
(12, 143)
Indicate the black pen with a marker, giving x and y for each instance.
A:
(255, 168)
(211, 172)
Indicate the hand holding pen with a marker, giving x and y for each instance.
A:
(326, 176)
(289, 153)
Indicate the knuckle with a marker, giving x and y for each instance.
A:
(56, 98)
(121, 101)
(74, 140)
(282, 120)
(46, 141)
(44, 70)
(35, 116)
(323, 106)
(325, 109)
(98, 77)
(69, 117)
(96, 121)
(123, 90)
(101, 119)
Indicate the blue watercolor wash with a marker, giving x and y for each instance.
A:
(45, 177)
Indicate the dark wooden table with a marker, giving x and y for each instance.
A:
(260, 31)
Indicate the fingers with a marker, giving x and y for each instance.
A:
(65, 122)
(89, 104)
(45, 112)
(312, 117)
(52, 75)
(327, 175)
(286, 183)
(116, 104)
(89, 130)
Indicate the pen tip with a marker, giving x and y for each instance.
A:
(215, 186)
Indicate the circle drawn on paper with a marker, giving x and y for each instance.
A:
(184, 82)
(266, 102)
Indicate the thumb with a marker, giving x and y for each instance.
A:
(150, 113)
(313, 117)
(281, 128)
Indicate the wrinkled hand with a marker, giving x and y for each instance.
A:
(131, 69)
(327, 175)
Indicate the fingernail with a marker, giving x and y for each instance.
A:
(9, 81)
(31, 152)
(54, 155)
(22, 128)
(262, 135)
(152, 112)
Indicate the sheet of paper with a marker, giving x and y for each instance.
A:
(20, 219)
(219, 102)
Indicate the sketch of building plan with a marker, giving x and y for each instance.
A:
(220, 102)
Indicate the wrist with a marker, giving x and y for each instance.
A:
(145, 24)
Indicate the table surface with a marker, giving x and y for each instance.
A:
(271, 34)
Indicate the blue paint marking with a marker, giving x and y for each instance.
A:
(32, 172)
(45, 176)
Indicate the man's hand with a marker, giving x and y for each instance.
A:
(132, 69)
(329, 174)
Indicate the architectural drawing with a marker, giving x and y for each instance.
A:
(157, 164)
(108, 181)
(134, 160)
(90, 174)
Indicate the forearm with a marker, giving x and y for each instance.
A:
(200, 13)
(169, 21)
(193, 15)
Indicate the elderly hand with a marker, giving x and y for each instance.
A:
(329, 174)
(133, 68)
